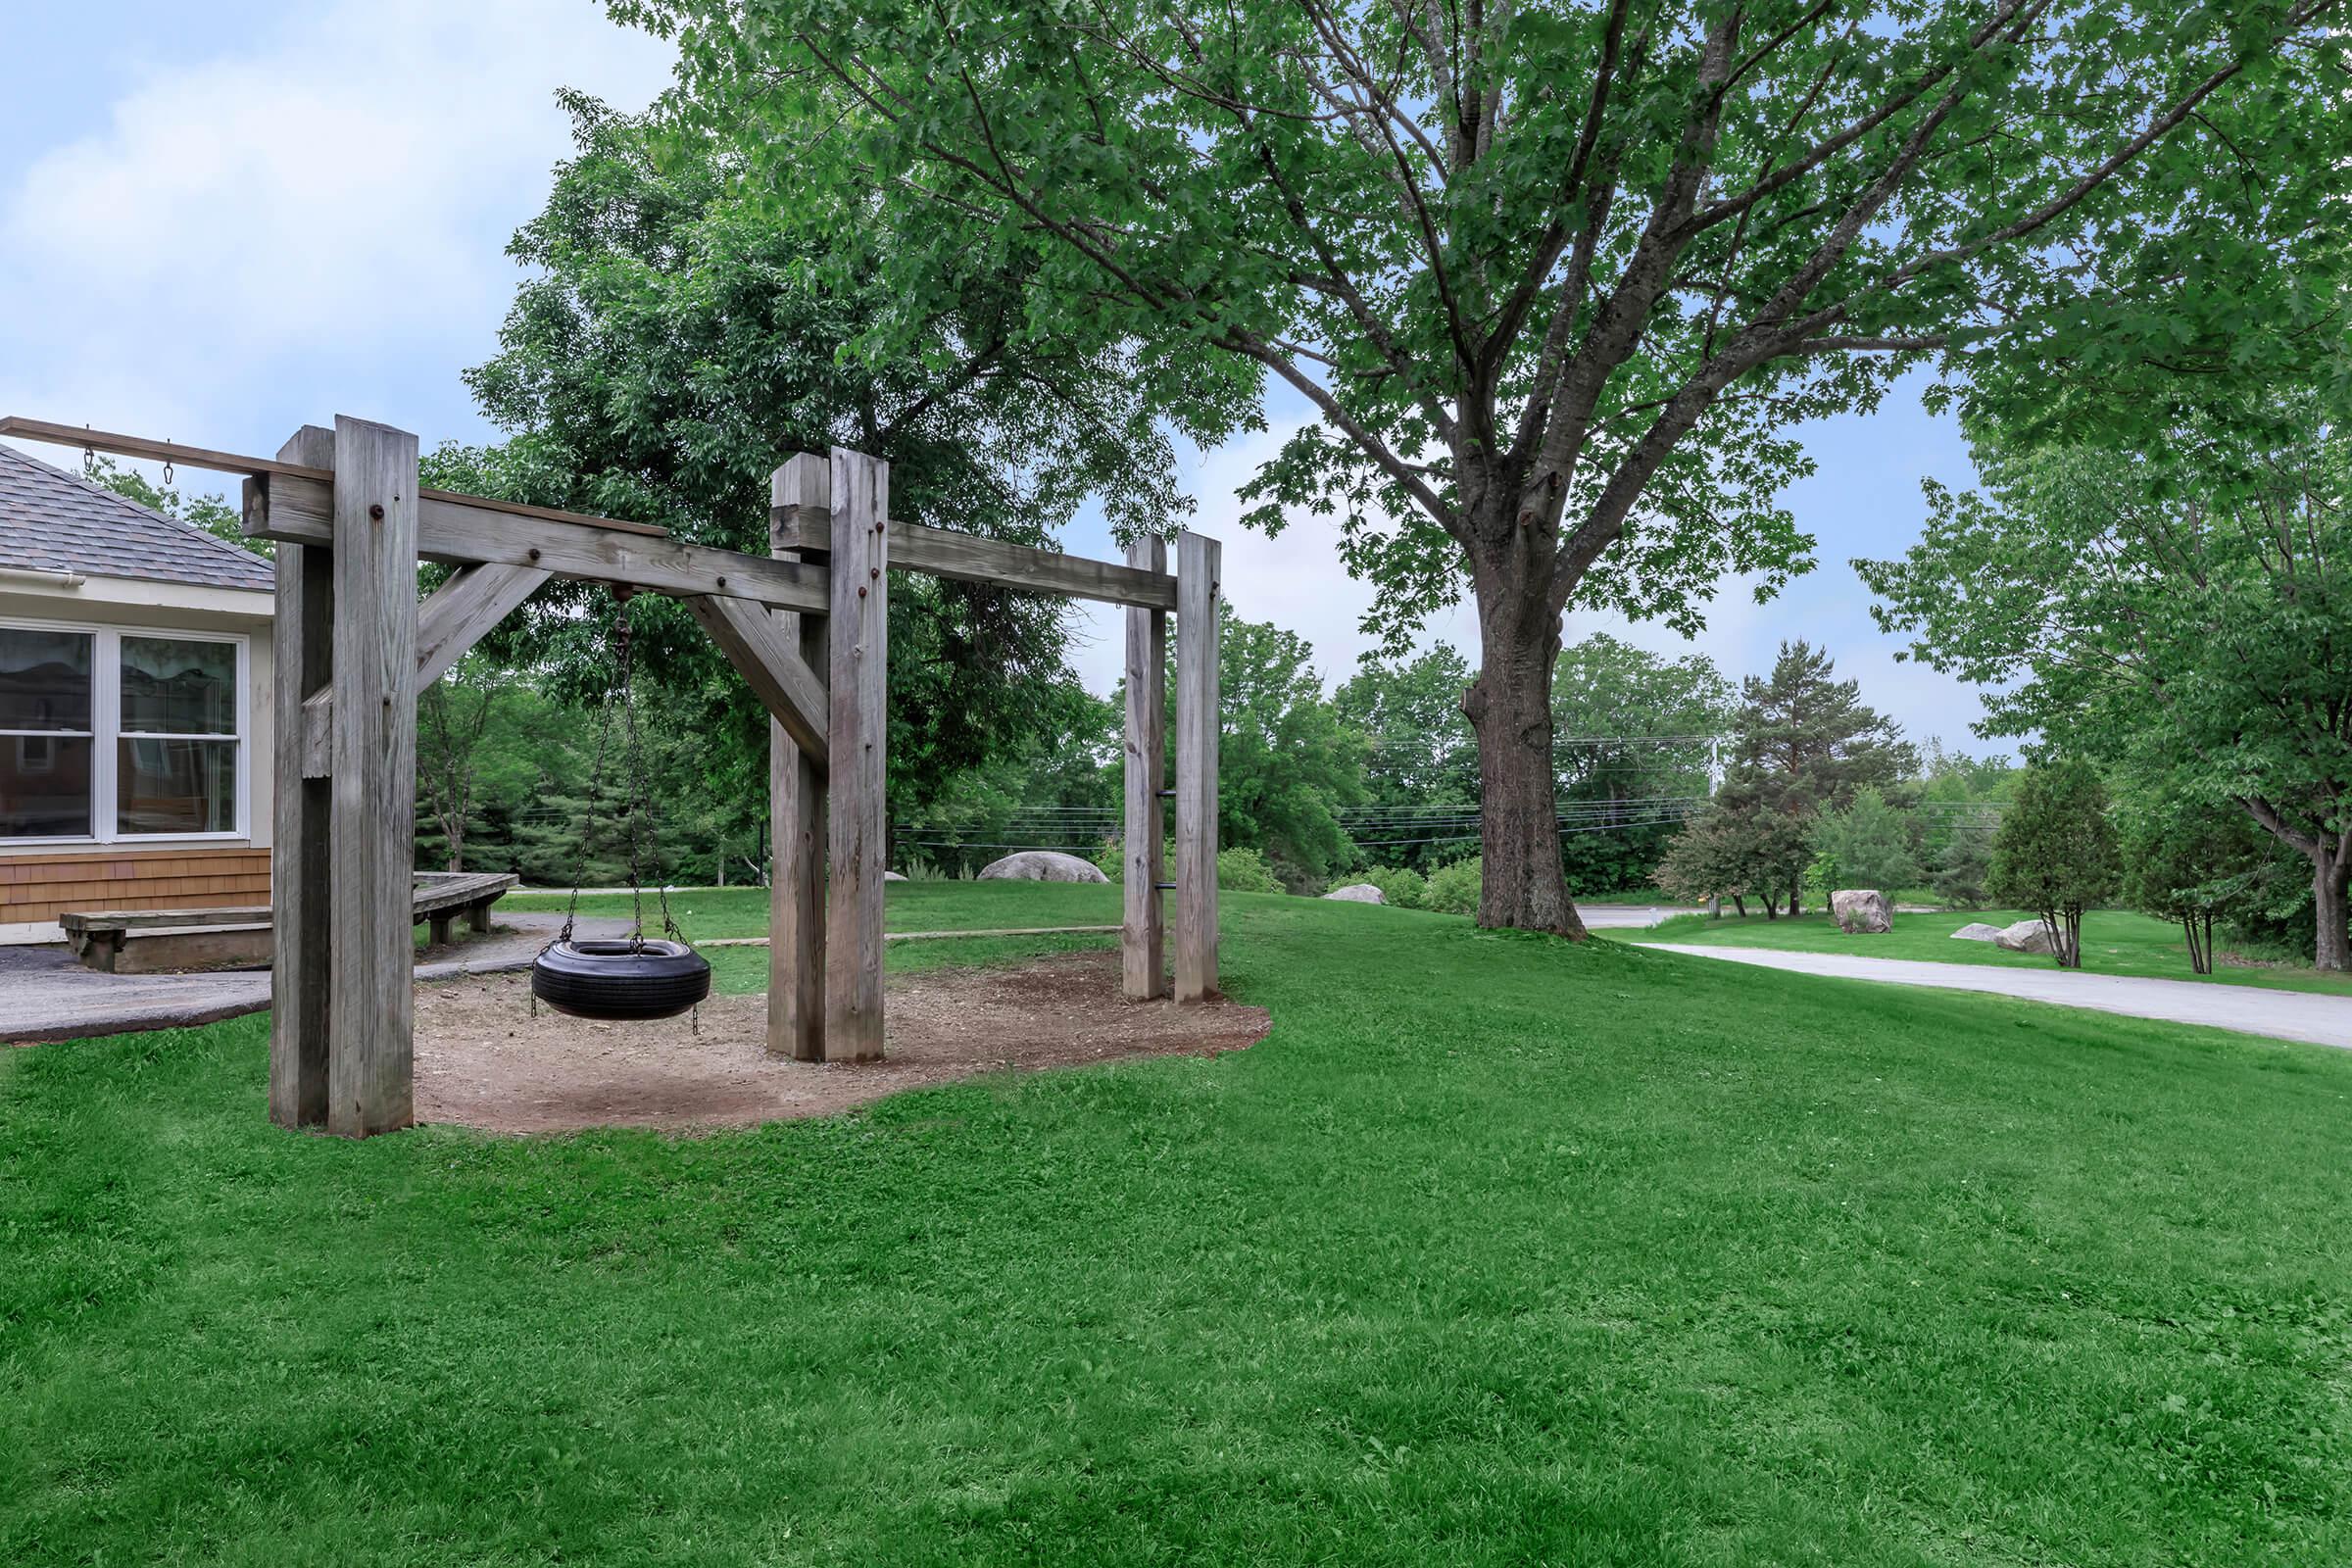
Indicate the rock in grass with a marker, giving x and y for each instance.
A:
(1358, 893)
(892, 876)
(1041, 865)
(1977, 931)
(2027, 936)
(1862, 911)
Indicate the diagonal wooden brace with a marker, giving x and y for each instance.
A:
(452, 620)
(754, 644)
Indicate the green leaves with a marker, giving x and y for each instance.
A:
(2055, 851)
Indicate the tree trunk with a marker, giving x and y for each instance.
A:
(2329, 875)
(1740, 904)
(2197, 926)
(1509, 707)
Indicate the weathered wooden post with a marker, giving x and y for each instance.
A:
(857, 822)
(796, 803)
(1143, 934)
(303, 647)
(1197, 608)
(373, 782)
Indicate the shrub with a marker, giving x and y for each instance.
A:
(1453, 889)
(1867, 845)
(2055, 851)
(1246, 871)
(1404, 886)
(1963, 865)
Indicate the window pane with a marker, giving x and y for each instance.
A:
(176, 786)
(44, 679)
(44, 786)
(177, 687)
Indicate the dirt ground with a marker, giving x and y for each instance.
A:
(483, 1060)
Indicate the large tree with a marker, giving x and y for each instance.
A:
(1288, 764)
(2192, 605)
(1422, 754)
(1633, 739)
(673, 342)
(1558, 277)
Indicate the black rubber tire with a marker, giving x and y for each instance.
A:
(618, 978)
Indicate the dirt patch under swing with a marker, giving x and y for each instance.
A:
(483, 1060)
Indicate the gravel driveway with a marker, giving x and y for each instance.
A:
(2323, 1020)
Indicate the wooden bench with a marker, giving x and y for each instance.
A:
(441, 895)
(241, 933)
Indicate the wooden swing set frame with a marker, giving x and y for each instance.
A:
(805, 627)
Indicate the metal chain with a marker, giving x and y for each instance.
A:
(639, 805)
(620, 643)
(636, 803)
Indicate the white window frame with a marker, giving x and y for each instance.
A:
(105, 730)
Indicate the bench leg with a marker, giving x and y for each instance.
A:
(477, 917)
(438, 926)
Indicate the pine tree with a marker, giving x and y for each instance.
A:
(1964, 864)
(1807, 740)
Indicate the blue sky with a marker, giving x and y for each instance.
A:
(220, 222)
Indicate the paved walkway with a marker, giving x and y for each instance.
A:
(1621, 916)
(44, 995)
(2320, 1020)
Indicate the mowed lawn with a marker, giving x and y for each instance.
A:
(708, 913)
(1496, 1251)
(2114, 942)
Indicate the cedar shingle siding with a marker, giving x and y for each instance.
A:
(34, 889)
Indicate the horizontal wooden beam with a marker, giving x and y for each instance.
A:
(800, 519)
(115, 444)
(793, 693)
(467, 531)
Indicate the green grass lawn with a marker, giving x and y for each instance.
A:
(1496, 1251)
(2114, 942)
(907, 906)
(715, 913)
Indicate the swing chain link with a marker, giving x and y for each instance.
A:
(636, 805)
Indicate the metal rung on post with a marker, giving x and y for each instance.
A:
(1165, 887)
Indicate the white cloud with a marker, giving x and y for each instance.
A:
(309, 223)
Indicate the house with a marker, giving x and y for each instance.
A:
(134, 706)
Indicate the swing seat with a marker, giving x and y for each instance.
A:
(627, 979)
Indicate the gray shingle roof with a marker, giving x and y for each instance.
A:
(52, 520)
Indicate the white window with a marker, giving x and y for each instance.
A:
(109, 735)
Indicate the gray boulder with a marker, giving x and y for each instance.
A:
(1862, 911)
(2027, 936)
(1358, 893)
(1977, 931)
(1041, 865)
(892, 876)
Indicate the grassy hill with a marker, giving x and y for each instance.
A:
(1496, 1250)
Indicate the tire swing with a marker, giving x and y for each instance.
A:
(634, 978)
